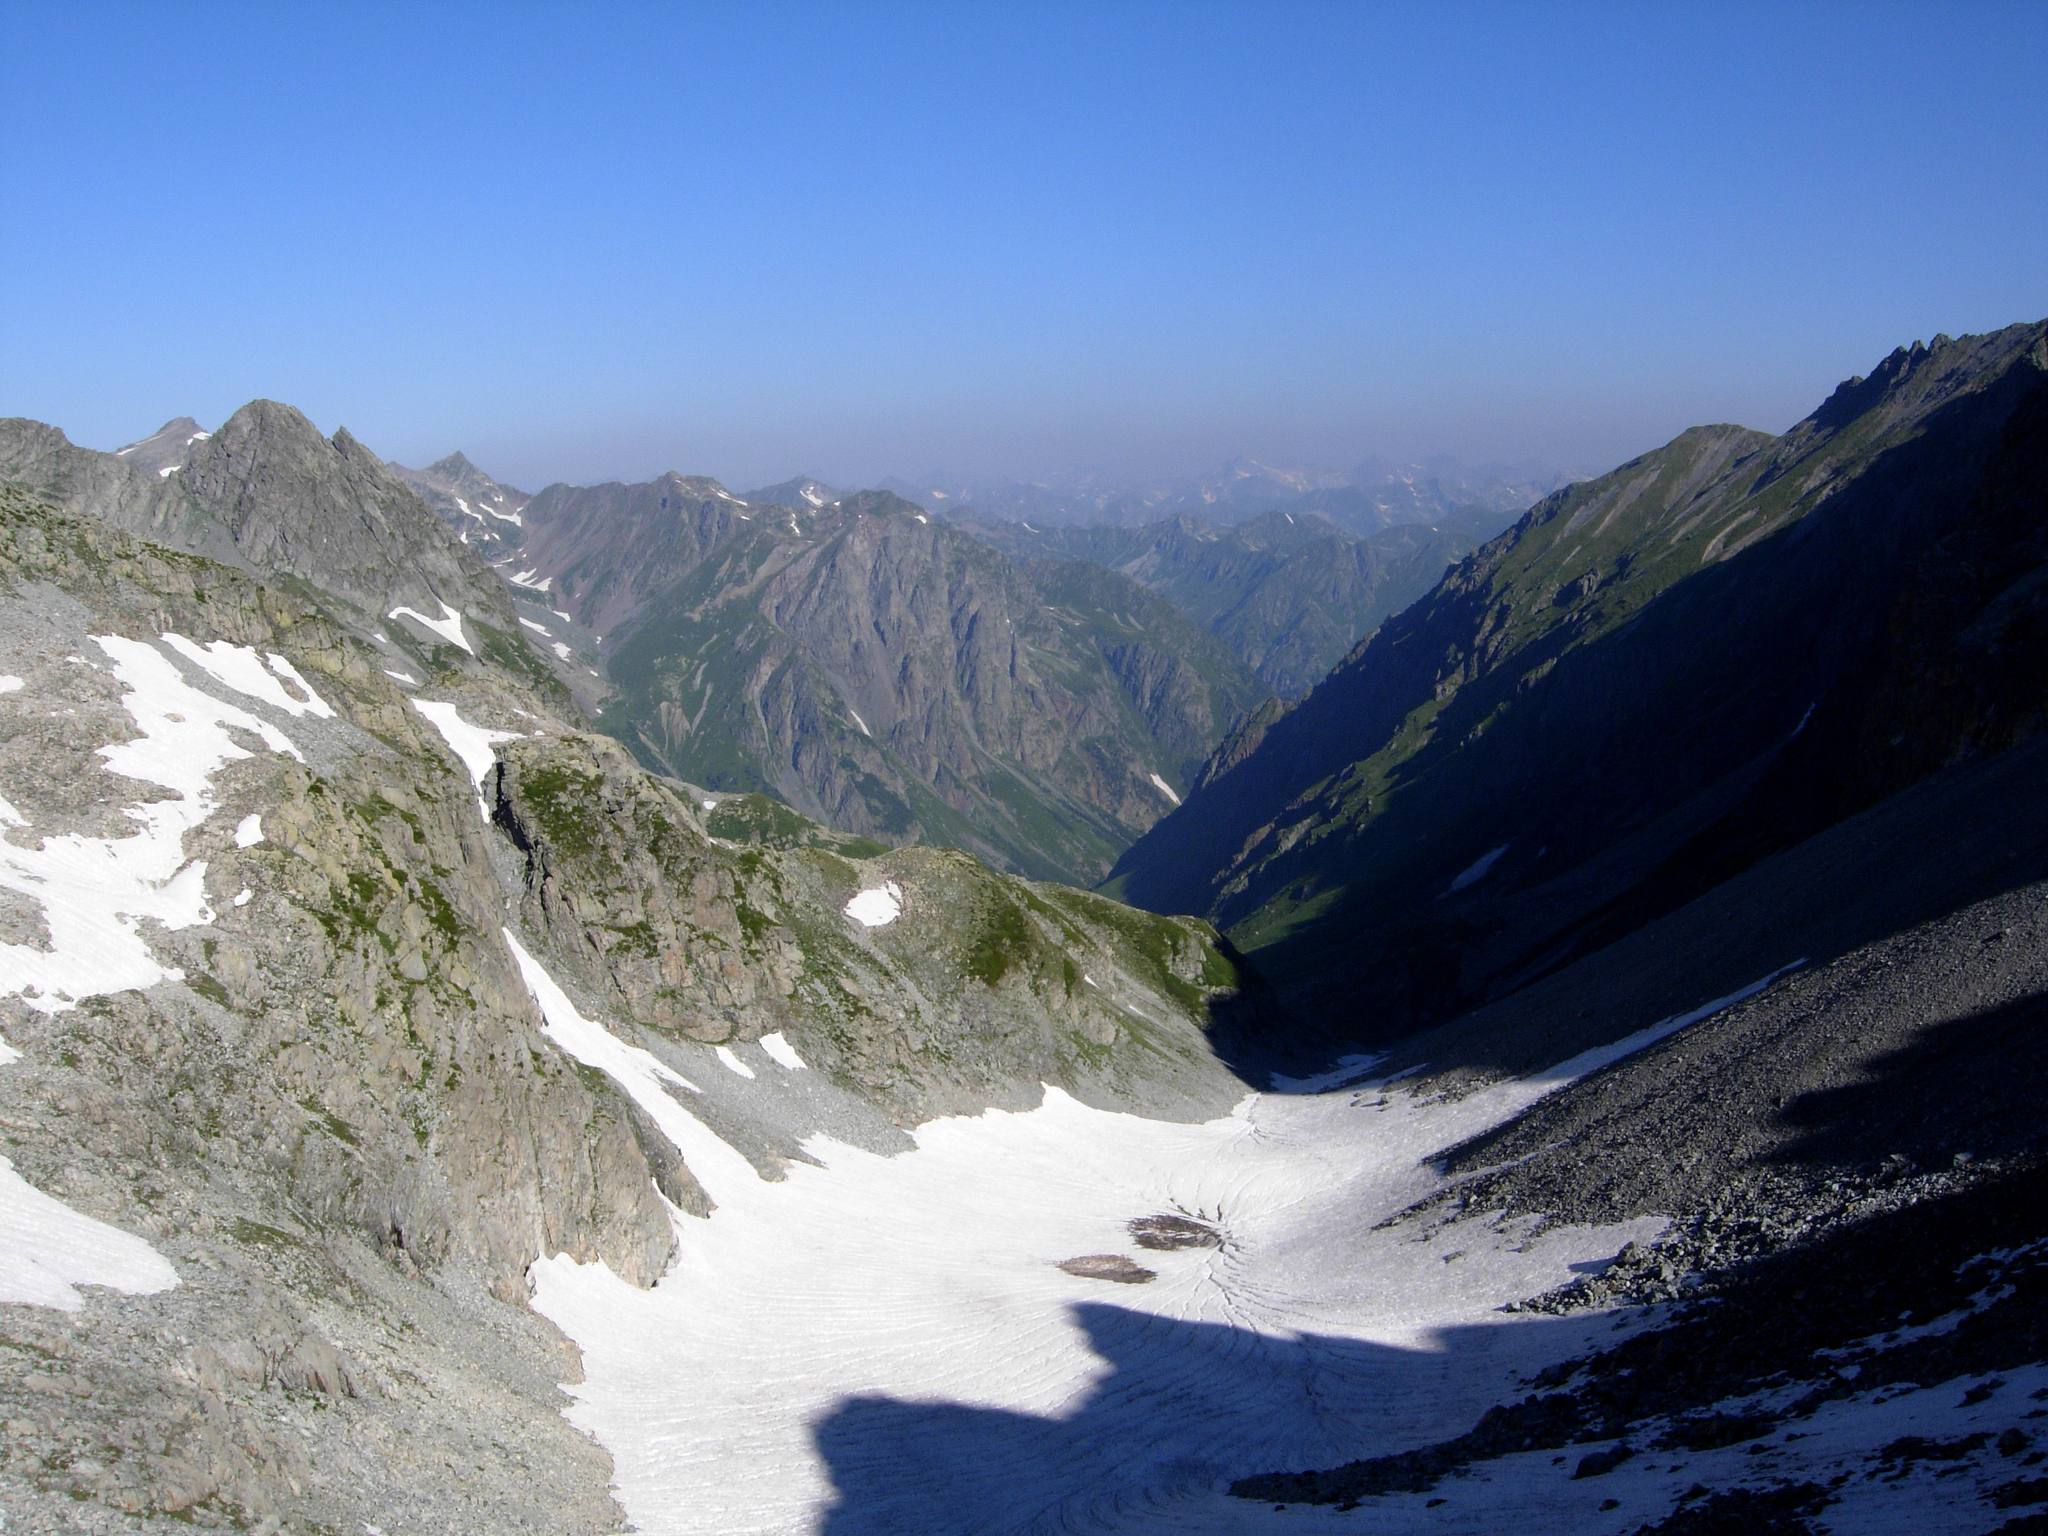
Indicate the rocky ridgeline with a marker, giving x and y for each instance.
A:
(344, 1126)
(986, 986)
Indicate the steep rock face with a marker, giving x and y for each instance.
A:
(371, 966)
(268, 494)
(336, 1116)
(893, 677)
(43, 460)
(609, 548)
(1626, 661)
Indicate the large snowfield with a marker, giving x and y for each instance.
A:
(888, 1344)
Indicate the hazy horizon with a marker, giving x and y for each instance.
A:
(1136, 242)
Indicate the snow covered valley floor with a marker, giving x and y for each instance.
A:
(889, 1344)
(892, 1344)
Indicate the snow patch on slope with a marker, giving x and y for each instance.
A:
(1477, 870)
(96, 891)
(448, 626)
(877, 908)
(718, 1168)
(471, 743)
(242, 670)
(48, 1250)
(782, 1052)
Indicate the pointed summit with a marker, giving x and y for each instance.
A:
(165, 450)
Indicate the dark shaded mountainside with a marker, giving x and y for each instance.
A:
(880, 671)
(1289, 593)
(1655, 679)
(1744, 737)
(314, 1089)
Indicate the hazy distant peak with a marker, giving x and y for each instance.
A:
(166, 449)
(456, 466)
(803, 493)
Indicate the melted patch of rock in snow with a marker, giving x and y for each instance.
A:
(96, 891)
(877, 908)
(242, 670)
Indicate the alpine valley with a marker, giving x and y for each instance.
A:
(1245, 1004)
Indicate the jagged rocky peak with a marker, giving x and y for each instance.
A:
(165, 450)
(484, 512)
(329, 511)
(1913, 379)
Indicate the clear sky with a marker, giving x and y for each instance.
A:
(586, 242)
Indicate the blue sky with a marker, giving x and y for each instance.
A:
(588, 242)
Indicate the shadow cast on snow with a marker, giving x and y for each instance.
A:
(1181, 1408)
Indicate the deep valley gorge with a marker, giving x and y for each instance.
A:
(1411, 1004)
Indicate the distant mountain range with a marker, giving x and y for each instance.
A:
(481, 510)
(1289, 592)
(1376, 495)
